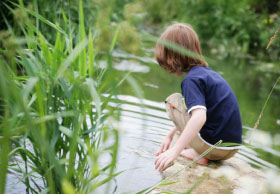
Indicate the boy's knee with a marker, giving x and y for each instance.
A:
(174, 101)
(221, 154)
(176, 111)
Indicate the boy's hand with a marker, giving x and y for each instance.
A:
(166, 158)
(165, 145)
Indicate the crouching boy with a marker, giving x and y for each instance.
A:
(209, 110)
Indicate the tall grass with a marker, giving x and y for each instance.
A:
(55, 122)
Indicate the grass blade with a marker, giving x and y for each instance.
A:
(82, 37)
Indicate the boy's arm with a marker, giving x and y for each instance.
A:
(172, 132)
(167, 141)
(197, 120)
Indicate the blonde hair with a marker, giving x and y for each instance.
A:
(184, 36)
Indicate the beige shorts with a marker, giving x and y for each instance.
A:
(178, 114)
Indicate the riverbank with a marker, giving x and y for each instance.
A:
(229, 176)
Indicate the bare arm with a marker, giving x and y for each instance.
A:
(194, 125)
(166, 142)
(172, 132)
(197, 120)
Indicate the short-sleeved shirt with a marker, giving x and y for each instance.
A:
(205, 88)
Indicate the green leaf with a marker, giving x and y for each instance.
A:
(30, 84)
(67, 187)
(114, 39)
(95, 96)
(82, 36)
(90, 55)
(45, 50)
(168, 183)
(67, 62)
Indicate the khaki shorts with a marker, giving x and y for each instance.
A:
(178, 114)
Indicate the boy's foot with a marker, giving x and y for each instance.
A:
(192, 154)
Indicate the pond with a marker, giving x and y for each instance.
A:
(144, 122)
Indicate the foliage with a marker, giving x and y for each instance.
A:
(225, 27)
(66, 13)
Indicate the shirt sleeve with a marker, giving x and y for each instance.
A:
(193, 92)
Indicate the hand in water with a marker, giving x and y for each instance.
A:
(166, 158)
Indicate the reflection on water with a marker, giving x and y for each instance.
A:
(125, 65)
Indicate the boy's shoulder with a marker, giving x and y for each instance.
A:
(205, 77)
(198, 73)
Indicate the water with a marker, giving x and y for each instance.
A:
(141, 137)
(251, 81)
(142, 128)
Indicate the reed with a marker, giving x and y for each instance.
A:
(271, 91)
(55, 126)
(272, 38)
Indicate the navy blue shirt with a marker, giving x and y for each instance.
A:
(204, 88)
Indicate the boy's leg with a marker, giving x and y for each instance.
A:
(177, 113)
(222, 153)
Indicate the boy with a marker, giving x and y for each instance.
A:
(212, 109)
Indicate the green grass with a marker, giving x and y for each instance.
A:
(53, 124)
